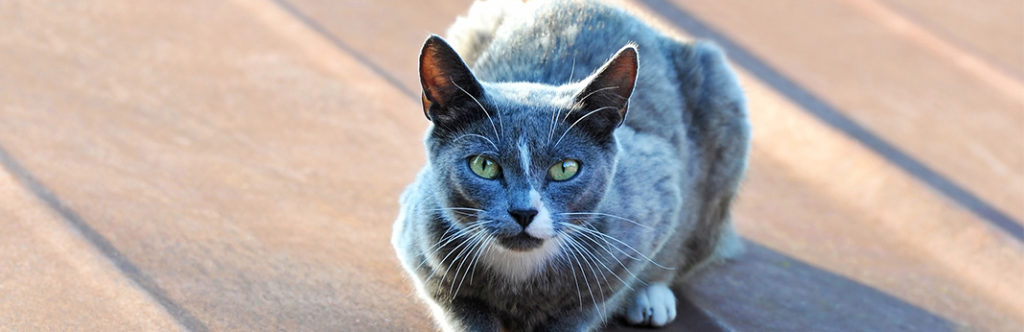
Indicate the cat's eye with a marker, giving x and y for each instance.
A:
(564, 170)
(484, 167)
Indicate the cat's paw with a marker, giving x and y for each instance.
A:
(652, 306)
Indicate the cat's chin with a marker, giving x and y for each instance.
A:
(521, 242)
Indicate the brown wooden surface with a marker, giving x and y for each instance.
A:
(235, 165)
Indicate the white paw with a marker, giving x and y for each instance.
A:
(652, 306)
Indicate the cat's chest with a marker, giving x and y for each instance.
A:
(549, 297)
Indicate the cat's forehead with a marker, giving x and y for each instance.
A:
(529, 109)
(522, 95)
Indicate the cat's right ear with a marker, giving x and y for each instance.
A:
(447, 81)
(605, 99)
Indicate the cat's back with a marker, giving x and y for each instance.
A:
(562, 41)
(550, 42)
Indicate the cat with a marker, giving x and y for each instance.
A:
(543, 206)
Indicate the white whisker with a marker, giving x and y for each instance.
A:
(477, 243)
(443, 259)
(584, 253)
(586, 281)
(595, 232)
(461, 259)
(462, 245)
(488, 114)
(572, 269)
(594, 240)
(573, 70)
(476, 260)
(634, 222)
(578, 121)
(481, 136)
(441, 242)
(617, 248)
(551, 127)
(580, 102)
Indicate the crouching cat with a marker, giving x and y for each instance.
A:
(543, 206)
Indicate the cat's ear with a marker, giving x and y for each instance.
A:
(604, 101)
(446, 80)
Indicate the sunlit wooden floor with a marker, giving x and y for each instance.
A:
(235, 165)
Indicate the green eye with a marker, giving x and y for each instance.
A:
(564, 170)
(484, 167)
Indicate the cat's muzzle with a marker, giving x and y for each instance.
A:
(520, 242)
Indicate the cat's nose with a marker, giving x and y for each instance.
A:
(523, 216)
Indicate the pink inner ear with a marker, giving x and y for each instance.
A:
(442, 72)
(432, 74)
(621, 71)
(617, 77)
(625, 59)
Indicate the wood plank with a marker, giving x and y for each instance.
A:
(964, 126)
(236, 158)
(993, 30)
(54, 279)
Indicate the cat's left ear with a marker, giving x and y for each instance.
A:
(605, 100)
(447, 81)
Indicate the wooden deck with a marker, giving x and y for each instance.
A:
(235, 165)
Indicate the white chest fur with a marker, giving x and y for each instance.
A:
(519, 265)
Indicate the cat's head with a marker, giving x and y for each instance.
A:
(521, 162)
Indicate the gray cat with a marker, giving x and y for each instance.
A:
(542, 206)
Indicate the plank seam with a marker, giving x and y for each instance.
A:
(101, 243)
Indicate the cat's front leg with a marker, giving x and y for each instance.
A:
(466, 314)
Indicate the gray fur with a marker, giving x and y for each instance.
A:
(673, 168)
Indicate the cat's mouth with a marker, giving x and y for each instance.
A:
(520, 242)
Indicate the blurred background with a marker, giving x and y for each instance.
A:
(235, 165)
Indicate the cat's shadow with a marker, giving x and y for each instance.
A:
(764, 290)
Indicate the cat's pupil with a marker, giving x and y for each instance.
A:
(484, 167)
(564, 170)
